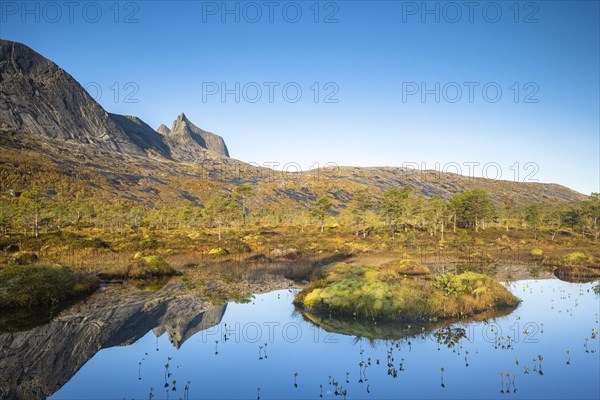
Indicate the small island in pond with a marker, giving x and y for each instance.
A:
(402, 291)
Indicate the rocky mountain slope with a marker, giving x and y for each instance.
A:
(52, 133)
(39, 98)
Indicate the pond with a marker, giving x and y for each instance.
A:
(547, 348)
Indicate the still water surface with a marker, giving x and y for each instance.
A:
(552, 352)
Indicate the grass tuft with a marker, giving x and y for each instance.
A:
(144, 267)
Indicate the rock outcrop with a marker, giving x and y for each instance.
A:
(142, 134)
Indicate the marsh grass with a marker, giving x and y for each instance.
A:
(94, 249)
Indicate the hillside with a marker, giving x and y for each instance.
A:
(54, 135)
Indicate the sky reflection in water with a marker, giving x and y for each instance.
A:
(555, 318)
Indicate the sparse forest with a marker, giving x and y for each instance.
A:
(402, 219)
(37, 211)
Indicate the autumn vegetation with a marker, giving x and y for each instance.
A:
(238, 231)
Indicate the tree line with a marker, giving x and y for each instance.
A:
(400, 209)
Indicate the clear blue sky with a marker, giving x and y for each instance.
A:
(374, 55)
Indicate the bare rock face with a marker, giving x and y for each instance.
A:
(36, 363)
(163, 130)
(38, 97)
(189, 143)
(142, 134)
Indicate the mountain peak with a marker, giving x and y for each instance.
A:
(163, 130)
(179, 125)
(188, 136)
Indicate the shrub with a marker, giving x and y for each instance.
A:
(409, 238)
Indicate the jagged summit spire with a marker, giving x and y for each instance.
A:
(184, 136)
(180, 123)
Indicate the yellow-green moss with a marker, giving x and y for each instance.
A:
(576, 257)
(537, 252)
(218, 251)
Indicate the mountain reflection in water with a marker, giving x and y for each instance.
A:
(37, 362)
